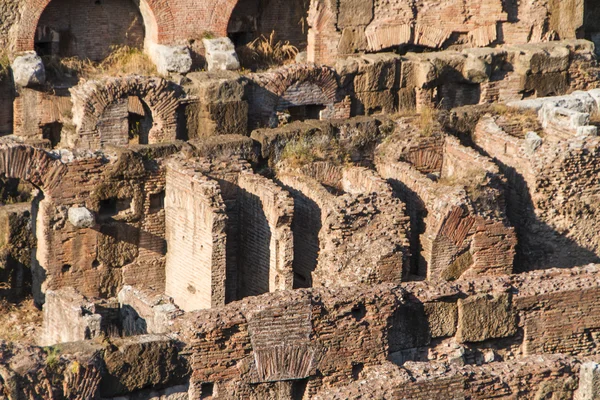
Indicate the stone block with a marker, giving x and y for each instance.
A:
(485, 316)
(540, 59)
(532, 142)
(171, 59)
(141, 362)
(442, 317)
(377, 72)
(221, 55)
(353, 40)
(375, 103)
(548, 84)
(477, 69)
(229, 118)
(355, 12)
(589, 382)
(28, 70)
(81, 217)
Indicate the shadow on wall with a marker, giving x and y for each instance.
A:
(133, 324)
(417, 213)
(539, 246)
(306, 226)
(254, 266)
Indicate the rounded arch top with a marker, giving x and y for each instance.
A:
(92, 98)
(157, 14)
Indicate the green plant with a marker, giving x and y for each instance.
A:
(52, 357)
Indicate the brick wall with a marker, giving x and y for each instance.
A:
(195, 231)
(88, 29)
(266, 240)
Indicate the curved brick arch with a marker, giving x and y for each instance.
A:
(220, 15)
(91, 99)
(298, 81)
(33, 165)
(33, 9)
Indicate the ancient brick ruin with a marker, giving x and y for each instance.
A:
(303, 199)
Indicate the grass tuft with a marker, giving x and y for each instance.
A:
(266, 52)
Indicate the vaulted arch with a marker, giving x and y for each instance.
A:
(158, 20)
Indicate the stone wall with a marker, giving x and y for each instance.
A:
(100, 112)
(266, 240)
(351, 214)
(388, 322)
(456, 202)
(548, 193)
(70, 28)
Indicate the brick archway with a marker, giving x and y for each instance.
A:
(33, 9)
(295, 84)
(32, 165)
(220, 15)
(91, 99)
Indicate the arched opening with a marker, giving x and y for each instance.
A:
(126, 121)
(252, 18)
(88, 29)
(139, 120)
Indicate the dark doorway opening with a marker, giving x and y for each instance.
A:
(303, 113)
(51, 132)
(139, 120)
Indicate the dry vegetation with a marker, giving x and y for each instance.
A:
(266, 52)
(19, 322)
(123, 60)
(515, 121)
(306, 150)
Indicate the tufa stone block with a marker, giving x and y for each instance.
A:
(484, 317)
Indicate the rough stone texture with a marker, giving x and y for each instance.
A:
(137, 363)
(337, 224)
(589, 381)
(16, 245)
(540, 186)
(28, 70)
(485, 317)
(81, 217)
(93, 102)
(145, 311)
(458, 225)
(170, 59)
(278, 90)
(68, 317)
(221, 55)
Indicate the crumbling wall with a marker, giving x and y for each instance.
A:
(99, 120)
(266, 240)
(459, 214)
(278, 90)
(144, 311)
(195, 231)
(350, 216)
(478, 312)
(547, 173)
(16, 245)
(70, 317)
(215, 105)
(76, 29)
